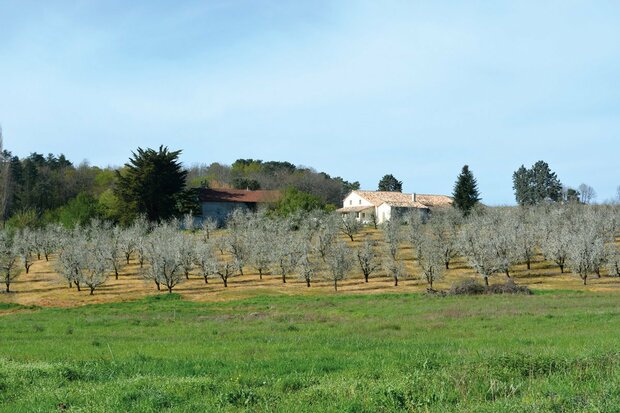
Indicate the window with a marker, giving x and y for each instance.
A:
(363, 215)
(357, 215)
(350, 202)
(360, 202)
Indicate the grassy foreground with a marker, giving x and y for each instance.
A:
(557, 351)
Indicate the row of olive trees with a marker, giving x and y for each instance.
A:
(310, 246)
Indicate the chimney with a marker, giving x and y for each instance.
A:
(413, 197)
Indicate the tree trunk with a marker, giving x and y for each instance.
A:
(431, 283)
(47, 257)
(351, 236)
(169, 289)
(225, 282)
(486, 281)
(77, 284)
(447, 265)
(158, 286)
(260, 274)
(585, 279)
(187, 275)
(116, 273)
(92, 290)
(206, 281)
(307, 282)
(27, 269)
(366, 277)
(283, 279)
(38, 255)
(529, 265)
(395, 281)
(561, 268)
(7, 287)
(508, 273)
(335, 284)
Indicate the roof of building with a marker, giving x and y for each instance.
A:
(238, 195)
(398, 199)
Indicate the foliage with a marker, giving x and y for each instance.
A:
(390, 184)
(294, 201)
(465, 193)
(152, 183)
(536, 185)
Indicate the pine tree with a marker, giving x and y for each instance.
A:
(536, 185)
(390, 184)
(152, 183)
(465, 192)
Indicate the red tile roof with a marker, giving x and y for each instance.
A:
(238, 195)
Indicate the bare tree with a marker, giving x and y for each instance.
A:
(207, 227)
(205, 259)
(163, 254)
(308, 265)
(367, 258)
(94, 261)
(587, 245)
(288, 247)
(68, 263)
(187, 252)
(9, 261)
(25, 245)
(350, 225)
(261, 240)
(223, 268)
(339, 262)
(326, 232)
(586, 193)
(393, 237)
(477, 246)
(431, 259)
(526, 236)
(613, 259)
(236, 241)
(444, 225)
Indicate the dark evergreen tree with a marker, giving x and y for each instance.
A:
(152, 183)
(390, 184)
(465, 193)
(536, 185)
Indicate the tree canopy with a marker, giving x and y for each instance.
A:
(536, 185)
(465, 194)
(152, 183)
(390, 184)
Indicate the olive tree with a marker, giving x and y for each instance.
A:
(445, 224)
(339, 261)
(556, 239)
(350, 225)
(476, 244)
(25, 245)
(261, 239)
(187, 252)
(94, 261)
(613, 259)
(393, 238)
(309, 267)
(207, 226)
(431, 259)
(325, 233)
(9, 261)
(288, 247)
(163, 254)
(205, 258)
(224, 268)
(368, 258)
(68, 263)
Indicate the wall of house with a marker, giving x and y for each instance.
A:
(219, 211)
(354, 199)
(384, 212)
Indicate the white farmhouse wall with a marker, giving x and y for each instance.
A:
(353, 200)
(384, 212)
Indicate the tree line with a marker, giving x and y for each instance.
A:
(311, 246)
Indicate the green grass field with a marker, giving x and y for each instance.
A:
(557, 351)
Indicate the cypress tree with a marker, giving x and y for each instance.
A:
(465, 192)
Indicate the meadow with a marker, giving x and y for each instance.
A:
(552, 351)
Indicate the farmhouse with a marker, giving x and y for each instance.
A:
(379, 205)
(219, 203)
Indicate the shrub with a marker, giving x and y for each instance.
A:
(474, 287)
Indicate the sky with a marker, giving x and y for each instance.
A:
(357, 89)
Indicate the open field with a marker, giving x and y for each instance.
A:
(44, 287)
(554, 351)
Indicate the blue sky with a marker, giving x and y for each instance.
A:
(354, 88)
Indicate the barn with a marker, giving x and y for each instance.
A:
(217, 204)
